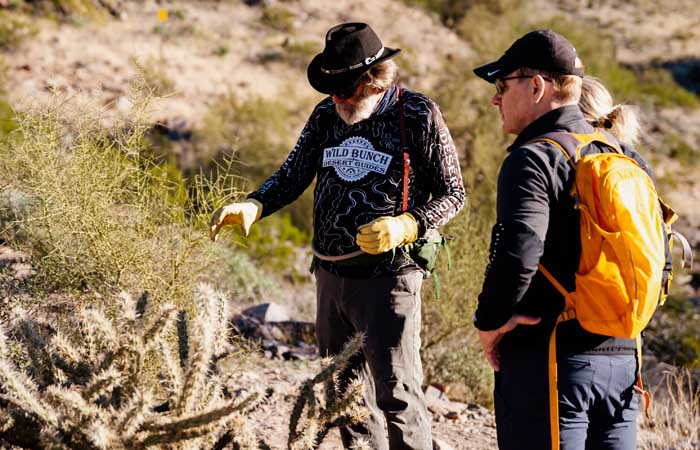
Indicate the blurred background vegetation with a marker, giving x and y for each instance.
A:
(103, 209)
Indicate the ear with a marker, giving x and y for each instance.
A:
(538, 86)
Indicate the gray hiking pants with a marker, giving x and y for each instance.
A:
(387, 310)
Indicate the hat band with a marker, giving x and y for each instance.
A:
(366, 62)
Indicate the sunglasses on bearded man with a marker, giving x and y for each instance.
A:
(349, 91)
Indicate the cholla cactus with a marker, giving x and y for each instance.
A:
(115, 383)
(332, 409)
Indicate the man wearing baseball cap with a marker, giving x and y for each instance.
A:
(386, 174)
(538, 85)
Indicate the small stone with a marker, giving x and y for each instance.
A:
(268, 312)
(452, 415)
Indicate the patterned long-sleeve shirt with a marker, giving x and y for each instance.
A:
(359, 171)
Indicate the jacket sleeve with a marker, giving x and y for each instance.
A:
(441, 167)
(295, 174)
(517, 240)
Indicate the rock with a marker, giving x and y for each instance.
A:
(439, 444)
(268, 312)
(301, 352)
(174, 128)
(124, 105)
(22, 271)
(452, 415)
(288, 332)
(438, 404)
(11, 257)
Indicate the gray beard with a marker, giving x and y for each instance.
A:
(352, 114)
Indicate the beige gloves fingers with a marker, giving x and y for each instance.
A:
(245, 214)
(385, 233)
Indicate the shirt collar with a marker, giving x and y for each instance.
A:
(387, 101)
(565, 118)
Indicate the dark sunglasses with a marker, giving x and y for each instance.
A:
(500, 83)
(348, 91)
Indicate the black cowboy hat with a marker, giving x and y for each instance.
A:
(351, 50)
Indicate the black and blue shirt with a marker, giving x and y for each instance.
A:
(359, 172)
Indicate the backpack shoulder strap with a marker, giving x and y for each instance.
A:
(571, 144)
(404, 151)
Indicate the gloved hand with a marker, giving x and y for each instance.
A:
(244, 213)
(385, 233)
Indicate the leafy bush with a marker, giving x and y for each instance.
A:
(672, 335)
(680, 150)
(7, 122)
(277, 17)
(257, 133)
(476, 26)
(451, 12)
(451, 349)
(14, 29)
(100, 215)
(68, 9)
(298, 53)
(152, 78)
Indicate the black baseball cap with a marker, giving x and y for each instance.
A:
(541, 50)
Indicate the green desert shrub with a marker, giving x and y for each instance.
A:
(258, 134)
(14, 29)
(451, 350)
(152, 79)
(677, 148)
(7, 122)
(294, 52)
(68, 9)
(672, 335)
(97, 214)
(476, 26)
(277, 17)
(451, 12)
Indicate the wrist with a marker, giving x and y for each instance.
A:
(258, 207)
(410, 227)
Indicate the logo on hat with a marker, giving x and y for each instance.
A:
(354, 158)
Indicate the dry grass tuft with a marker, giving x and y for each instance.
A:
(674, 416)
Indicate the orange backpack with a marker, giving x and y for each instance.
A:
(624, 232)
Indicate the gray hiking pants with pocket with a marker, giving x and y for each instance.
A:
(388, 312)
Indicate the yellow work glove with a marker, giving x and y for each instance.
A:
(245, 214)
(385, 233)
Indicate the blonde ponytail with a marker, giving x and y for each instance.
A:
(596, 104)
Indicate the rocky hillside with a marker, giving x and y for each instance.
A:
(191, 54)
(206, 49)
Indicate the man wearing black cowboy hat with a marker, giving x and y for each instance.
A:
(370, 199)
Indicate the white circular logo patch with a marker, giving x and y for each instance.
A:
(354, 158)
